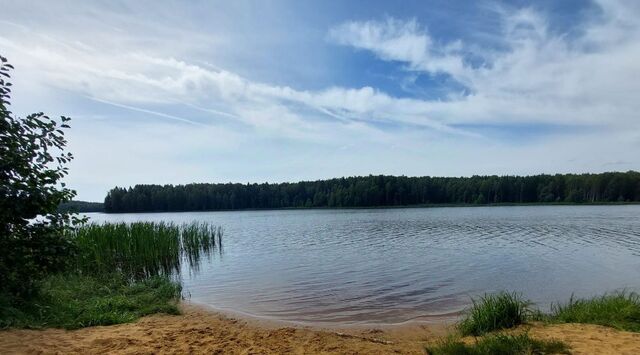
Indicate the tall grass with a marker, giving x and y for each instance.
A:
(493, 312)
(121, 272)
(143, 249)
(504, 310)
(199, 239)
(499, 344)
(618, 310)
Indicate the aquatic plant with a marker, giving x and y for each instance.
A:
(143, 249)
(493, 312)
(198, 239)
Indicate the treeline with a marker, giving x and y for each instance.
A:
(381, 190)
(81, 206)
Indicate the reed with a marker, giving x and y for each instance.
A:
(143, 249)
(200, 239)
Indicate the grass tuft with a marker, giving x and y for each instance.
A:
(619, 310)
(493, 312)
(499, 344)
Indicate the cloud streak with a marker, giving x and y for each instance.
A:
(151, 112)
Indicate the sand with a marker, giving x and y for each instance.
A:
(199, 330)
(591, 339)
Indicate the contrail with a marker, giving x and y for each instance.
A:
(160, 114)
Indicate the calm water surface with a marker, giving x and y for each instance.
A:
(396, 265)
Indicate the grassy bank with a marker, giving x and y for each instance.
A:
(499, 344)
(73, 301)
(619, 310)
(119, 273)
(492, 313)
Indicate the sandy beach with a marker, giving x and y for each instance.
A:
(200, 330)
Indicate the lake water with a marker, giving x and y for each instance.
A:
(378, 266)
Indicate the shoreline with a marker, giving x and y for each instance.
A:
(447, 320)
(202, 330)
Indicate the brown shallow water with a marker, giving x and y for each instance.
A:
(199, 331)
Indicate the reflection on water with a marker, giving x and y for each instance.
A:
(394, 265)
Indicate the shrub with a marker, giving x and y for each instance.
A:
(32, 166)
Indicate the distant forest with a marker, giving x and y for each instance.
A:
(380, 190)
(81, 206)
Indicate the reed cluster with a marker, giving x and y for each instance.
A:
(143, 249)
(120, 272)
(200, 239)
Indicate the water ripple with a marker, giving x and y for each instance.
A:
(395, 265)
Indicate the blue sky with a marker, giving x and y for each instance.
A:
(248, 91)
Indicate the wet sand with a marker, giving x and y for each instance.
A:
(199, 330)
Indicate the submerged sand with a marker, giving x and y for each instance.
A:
(199, 330)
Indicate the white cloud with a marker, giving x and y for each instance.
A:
(401, 41)
(539, 76)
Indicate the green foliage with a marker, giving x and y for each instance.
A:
(53, 275)
(32, 166)
(119, 273)
(619, 310)
(142, 249)
(366, 191)
(499, 344)
(72, 301)
(493, 312)
(81, 206)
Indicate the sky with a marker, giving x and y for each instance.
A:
(174, 92)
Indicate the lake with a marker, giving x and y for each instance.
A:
(384, 266)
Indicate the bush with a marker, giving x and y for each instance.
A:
(493, 312)
(32, 166)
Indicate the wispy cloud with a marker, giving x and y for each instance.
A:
(403, 41)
